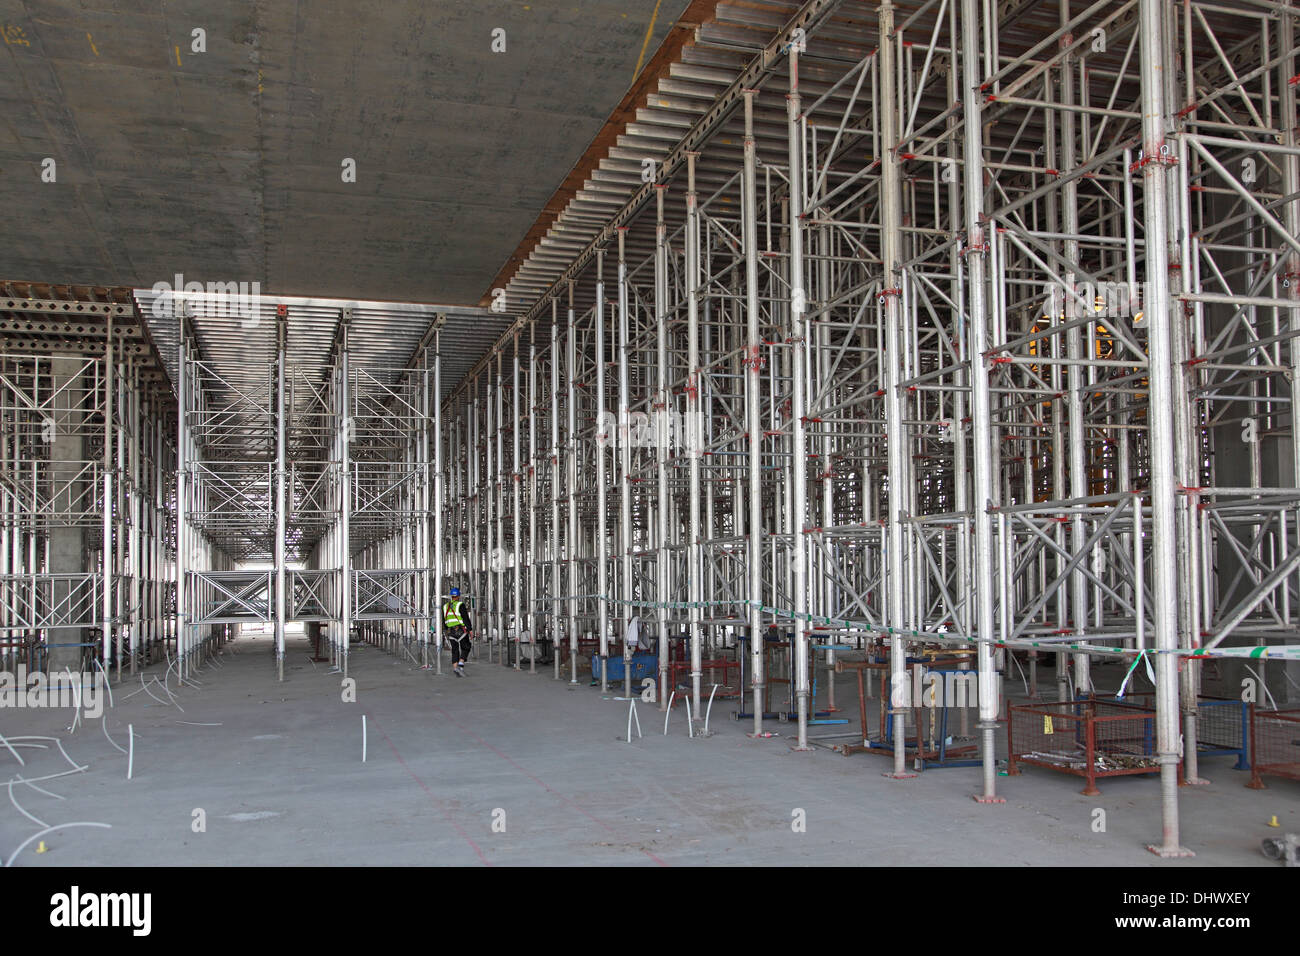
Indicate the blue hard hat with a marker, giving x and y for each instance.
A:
(455, 592)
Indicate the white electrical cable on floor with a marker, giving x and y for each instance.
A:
(107, 683)
(21, 761)
(632, 715)
(710, 708)
(49, 776)
(76, 706)
(170, 695)
(145, 688)
(18, 807)
(103, 722)
(58, 743)
(167, 674)
(48, 793)
(61, 826)
(171, 698)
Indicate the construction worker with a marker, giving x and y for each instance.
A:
(456, 622)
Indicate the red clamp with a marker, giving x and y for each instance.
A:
(1159, 158)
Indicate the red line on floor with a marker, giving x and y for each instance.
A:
(423, 787)
(538, 781)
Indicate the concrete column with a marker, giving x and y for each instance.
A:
(67, 546)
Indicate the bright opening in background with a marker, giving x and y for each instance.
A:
(267, 629)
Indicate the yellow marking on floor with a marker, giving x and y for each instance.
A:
(92, 44)
(178, 55)
(649, 31)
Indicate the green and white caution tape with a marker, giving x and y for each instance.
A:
(1142, 656)
(1287, 652)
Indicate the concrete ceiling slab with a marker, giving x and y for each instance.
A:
(226, 165)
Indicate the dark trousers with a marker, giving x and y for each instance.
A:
(458, 640)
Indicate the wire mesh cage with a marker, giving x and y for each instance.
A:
(1089, 738)
(1274, 744)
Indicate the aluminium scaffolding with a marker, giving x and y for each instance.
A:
(984, 339)
(938, 327)
(87, 454)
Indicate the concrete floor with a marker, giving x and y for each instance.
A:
(280, 780)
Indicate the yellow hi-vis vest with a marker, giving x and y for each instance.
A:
(451, 615)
